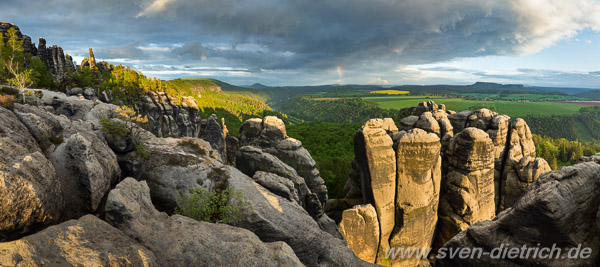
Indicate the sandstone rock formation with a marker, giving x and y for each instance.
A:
(487, 165)
(376, 160)
(88, 241)
(360, 227)
(419, 167)
(558, 209)
(404, 165)
(30, 193)
(181, 241)
(468, 187)
(178, 165)
(274, 218)
(265, 146)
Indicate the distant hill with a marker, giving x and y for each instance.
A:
(591, 94)
(258, 86)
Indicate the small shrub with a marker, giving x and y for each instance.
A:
(142, 150)
(7, 101)
(113, 127)
(222, 205)
(193, 146)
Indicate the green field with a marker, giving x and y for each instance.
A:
(510, 108)
(390, 92)
(533, 97)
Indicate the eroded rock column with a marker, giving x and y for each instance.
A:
(468, 189)
(376, 160)
(417, 192)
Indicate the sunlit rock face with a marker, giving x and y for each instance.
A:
(438, 174)
(399, 174)
(360, 227)
(468, 187)
(376, 162)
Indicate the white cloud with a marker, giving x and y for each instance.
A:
(155, 7)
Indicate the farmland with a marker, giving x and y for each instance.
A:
(511, 108)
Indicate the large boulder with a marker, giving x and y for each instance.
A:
(419, 168)
(278, 185)
(88, 241)
(520, 176)
(428, 123)
(12, 128)
(86, 167)
(269, 134)
(360, 227)
(176, 165)
(468, 188)
(251, 160)
(558, 211)
(274, 218)
(180, 241)
(30, 192)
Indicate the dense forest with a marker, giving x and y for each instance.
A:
(561, 152)
(343, 110)
(583, 126)
(332, 147)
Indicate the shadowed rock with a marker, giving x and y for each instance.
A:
(558, 209)
(180, 241)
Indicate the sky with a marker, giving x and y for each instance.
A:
(312, 42)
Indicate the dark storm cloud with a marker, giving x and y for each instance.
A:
(307, 35)
(131, 51)
(193, 49)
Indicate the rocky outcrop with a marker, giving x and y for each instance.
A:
(473, 163)
(213, 133)
(28, 47)
(54, 58)
(557, 212)
(404, 165)
(521, 168)
(419, 167)
(177, 165)
(360, 227)
(468, 187)
(274, 218)
(266, 147)
(278, 185)
(88, 241)
(519, 176)
(181, 241)
(84, 164)
(376, 162)
(30, 192)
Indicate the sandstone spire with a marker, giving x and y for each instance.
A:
(92, 59)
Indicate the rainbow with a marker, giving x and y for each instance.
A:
(340, 73)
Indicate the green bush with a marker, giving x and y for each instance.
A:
(222, 205)
(142, 150)
(113, 127)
